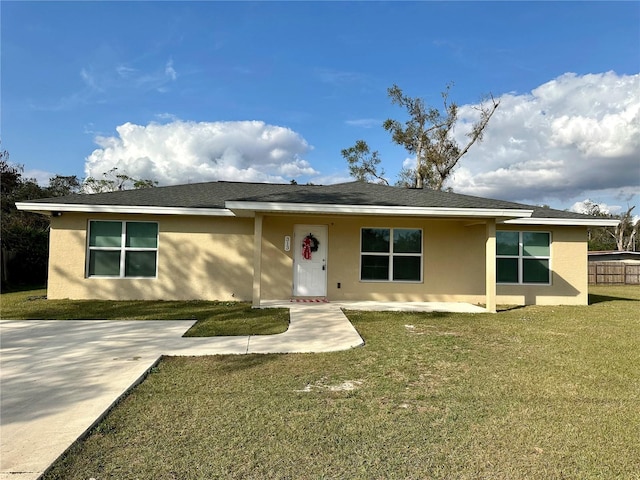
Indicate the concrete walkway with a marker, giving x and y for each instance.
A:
(313, 328)
(58, 378)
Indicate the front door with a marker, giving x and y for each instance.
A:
(310, 261)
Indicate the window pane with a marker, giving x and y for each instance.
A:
(535, 244)
(374, 267)
(105, 234)
(407, 240)
(375, 240)
(140, 264)
(507, 270)
(406, 268)
(507, 243)
(105, 263)
(142, 234)
(535, 271)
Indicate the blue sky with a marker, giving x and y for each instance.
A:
(185, 92)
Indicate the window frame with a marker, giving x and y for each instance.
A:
(521, 258)
(123, 249)
(391, 255)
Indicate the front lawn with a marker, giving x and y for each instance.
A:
(528, 393)
(213, 318)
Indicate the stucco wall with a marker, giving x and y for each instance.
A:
(198, 258)
(212, 258)
(453, 259)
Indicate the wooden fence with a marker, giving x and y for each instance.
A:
(614, 273)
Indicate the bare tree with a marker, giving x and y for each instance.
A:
(626, 231)
(623, 236)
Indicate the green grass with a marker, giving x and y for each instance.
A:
(528, 393)
(213, 318)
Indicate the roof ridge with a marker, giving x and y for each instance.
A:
(237, 182)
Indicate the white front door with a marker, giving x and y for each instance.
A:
(310, 260)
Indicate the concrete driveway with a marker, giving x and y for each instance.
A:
(59, 377)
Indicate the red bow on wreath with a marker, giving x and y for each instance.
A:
(306, 248)
(309, 244)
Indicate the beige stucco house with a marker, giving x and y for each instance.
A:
(351, 241)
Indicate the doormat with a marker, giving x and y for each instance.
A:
(309, 300)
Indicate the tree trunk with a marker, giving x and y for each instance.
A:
(631, 241)
(419, 171)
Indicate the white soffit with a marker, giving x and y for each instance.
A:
(66, 207)
(242, 209)
(568, 222)
(247, 207)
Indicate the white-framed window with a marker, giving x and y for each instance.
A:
(523, 257)
(391, 255)
(122, 249)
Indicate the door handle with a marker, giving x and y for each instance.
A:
(324, 267)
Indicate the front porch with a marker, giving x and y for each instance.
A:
(376, 306)
(457, 263)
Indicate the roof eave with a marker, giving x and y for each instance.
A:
(566, 222)
(241, 208)
(49, 208)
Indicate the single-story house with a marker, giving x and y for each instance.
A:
(350, 241)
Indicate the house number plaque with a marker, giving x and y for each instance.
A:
(287, 243)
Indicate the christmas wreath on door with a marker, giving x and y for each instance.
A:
(309, 245)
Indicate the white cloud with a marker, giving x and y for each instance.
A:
(41, 177)
(338, 77)
(336, 177)
(125, 71)
(183, 152)
(569, 137)
(169, 71)
(89, 79)
(409, 163)
(587, 205)
(364, 122)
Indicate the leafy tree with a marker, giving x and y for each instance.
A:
(363, 164)
(113, 181)
(62, 185)
(427, 134)
(24, 236)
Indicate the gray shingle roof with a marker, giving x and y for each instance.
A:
(215, 194)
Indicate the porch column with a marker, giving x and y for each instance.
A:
(257, 258)
(490, 268)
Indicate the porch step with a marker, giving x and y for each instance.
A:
(309, 300)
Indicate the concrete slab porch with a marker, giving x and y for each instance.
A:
(374, 306)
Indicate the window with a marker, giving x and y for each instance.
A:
(391, 254)
(122, 249)
(523, 257)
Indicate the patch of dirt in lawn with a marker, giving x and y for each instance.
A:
(321, 385)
